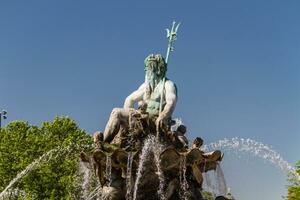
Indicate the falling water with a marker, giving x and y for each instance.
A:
(207, 183)
(182, 179)
(129, 176)
(99, 191)
(157, 148)
(255, 148)
(46, 156)
(145, 152)
(85, 170)
(13, 194)
(108, 170)
(214, 182)
(221, 182)
(95, 193)
(150, 145)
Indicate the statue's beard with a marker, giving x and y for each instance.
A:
(151, 81)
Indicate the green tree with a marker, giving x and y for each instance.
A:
(294, 188)
(208, 196)
(21, 144)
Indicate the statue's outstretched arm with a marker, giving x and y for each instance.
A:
(171, 99)
(134, 97)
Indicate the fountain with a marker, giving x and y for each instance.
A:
(256, 149)
(157, 170)
(136, 164)
(148, 152)
(46, 157)
(144, 153)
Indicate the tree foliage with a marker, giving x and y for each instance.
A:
(208, 196)
(294, 188)
(21, 144)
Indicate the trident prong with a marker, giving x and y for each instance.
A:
(172, 36)
(168, 33)
(177, 27)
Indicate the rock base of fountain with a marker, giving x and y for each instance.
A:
(142, 163)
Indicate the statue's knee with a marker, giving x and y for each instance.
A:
(115, 113)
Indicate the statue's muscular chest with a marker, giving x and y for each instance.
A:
(153, 99)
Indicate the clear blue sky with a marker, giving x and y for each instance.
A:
(236, 65)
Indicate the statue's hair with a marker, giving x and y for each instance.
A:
(156, 63)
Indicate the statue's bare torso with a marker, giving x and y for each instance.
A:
(168, 90)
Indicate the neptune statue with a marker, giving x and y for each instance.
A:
(157, 92)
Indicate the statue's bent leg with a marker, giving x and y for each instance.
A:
(117, 117)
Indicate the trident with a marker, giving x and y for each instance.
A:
(172, 36)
